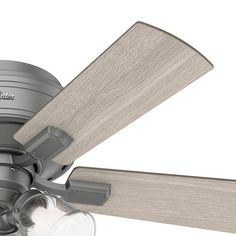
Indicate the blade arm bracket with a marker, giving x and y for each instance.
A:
(76, 191)
(46, 145)
(85, 192)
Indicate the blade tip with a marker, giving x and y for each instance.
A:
(142, 23)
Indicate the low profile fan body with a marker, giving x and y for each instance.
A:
(44, 128)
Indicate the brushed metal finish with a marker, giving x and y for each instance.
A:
(140, 70)
(7, 142)
(14, 177)
(31, 87)
(181, 200)
(13, 182)
(25, 70)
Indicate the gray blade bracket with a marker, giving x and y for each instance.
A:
(139, 71)
(76, 191)
(45, 146)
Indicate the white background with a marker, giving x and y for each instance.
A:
(193, 133)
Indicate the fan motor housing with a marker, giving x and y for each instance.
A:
(24, 90)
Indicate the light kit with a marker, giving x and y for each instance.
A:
(37, 213)
(44, 128)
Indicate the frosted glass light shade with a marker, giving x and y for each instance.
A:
(55, 217)
(74, 223)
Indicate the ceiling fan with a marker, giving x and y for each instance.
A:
(44, 128)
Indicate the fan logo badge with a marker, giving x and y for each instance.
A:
(7, 96)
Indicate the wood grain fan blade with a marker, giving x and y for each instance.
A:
(187, 201)
(140, 70)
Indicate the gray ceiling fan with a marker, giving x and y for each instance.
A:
(44, 128)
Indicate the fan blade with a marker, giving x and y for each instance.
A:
(140, 70)
(187, 201)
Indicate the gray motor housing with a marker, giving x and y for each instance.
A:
(24, 90)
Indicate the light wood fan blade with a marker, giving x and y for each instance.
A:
(140, 70)
(187, 201)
